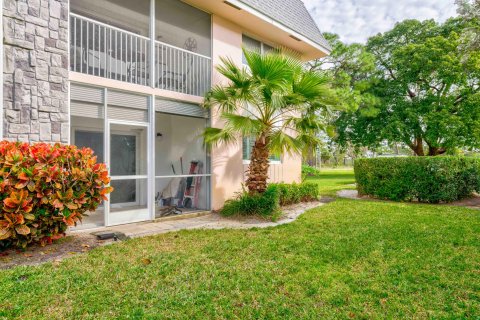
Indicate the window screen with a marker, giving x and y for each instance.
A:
(183, 26)
(254, 45)
(127, 15)
(247, 145)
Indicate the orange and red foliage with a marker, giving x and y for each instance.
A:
(45, 188)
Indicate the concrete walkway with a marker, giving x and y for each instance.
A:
(209, 221)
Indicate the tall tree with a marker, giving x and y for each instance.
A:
(350, 67)
(428, 89)
(470, 11)
(275, 101)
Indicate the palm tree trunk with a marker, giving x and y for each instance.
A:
(258, 168)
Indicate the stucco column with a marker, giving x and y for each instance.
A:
(227, 165)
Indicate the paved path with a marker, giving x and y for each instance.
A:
(209, 221)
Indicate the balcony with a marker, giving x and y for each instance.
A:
(102, 50)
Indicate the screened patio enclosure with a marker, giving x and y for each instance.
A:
(156, 160)
(164, 44)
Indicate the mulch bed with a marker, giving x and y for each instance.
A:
(60, 249)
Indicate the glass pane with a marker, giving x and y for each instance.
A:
(183, 26)
(128, 150)
(246, 148)
(267, 48)
(125, 191)
(247, 145)
(178, 144)
(127, 15)
(128, 201)
(90, 139)
(92, 219)
(250, 44)
(88, 132)
(181, 195)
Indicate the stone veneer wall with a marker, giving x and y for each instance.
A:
(35, 71)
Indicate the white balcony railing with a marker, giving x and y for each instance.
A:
(181, 70)
(102, 50)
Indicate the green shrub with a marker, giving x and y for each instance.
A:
(268, 203)
(295, 193)
(309, 192)
(309, 171)
(262, 204)
(44, 189)
(423, 179)
(289, 193)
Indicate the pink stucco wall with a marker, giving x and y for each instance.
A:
(228, 169)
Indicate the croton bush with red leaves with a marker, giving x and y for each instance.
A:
(46, 188)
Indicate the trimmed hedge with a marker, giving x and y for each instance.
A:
(423, 179)
(268, 203)
(44, 189)
(296, 193)
(310, 171)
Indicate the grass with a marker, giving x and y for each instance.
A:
(347, 259)
(332, 180)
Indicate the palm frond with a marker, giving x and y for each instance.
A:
(246, 126)
(306, 123)
(312, 85)
(221, 97)
(270, 70)
(281, 142)
(237, 75)
(213, 137)
(309, 142)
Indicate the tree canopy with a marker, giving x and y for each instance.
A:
(470, 11)
(423, 92)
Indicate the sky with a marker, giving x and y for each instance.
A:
(356, 20)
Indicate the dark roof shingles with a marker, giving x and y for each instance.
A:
(292, 14)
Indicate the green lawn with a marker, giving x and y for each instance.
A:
(332, 180)
(347, 259)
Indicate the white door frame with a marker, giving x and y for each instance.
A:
(107, 146)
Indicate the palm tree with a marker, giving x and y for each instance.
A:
(275, 101)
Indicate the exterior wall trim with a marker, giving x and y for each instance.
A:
(135, 88)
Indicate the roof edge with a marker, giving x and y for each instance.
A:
(255, 12)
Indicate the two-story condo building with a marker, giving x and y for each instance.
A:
(126, 78)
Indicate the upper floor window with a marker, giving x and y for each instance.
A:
(254, 45)
(183, 26)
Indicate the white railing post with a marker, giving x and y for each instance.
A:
(151, 139)
(151, 70)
